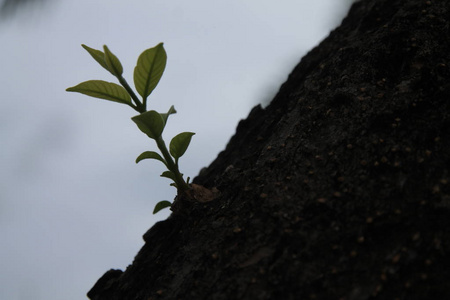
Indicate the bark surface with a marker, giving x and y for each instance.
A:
(339, 189)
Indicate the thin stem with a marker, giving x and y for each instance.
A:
(133, 107)
(181, 184)
(144, 102)
(139, 106)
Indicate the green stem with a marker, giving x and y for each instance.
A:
(181, 184)
(139, 106)
(144, 102)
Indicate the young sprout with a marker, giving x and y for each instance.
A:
(147, 73)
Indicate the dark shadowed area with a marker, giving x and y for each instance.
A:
(73, 202)
(10, 8)
(339, 189)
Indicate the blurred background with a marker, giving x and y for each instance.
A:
(73, 203)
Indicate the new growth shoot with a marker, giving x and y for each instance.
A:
(147, 73)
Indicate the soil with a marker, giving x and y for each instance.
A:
(339, 189)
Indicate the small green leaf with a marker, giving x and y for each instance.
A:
(169, 174)
(113, 63)
(179, 144)
(98, 55)
(161, 205)
(103, 90)
(149, 69)
(151, 123)
(170, 112)
(150, 155)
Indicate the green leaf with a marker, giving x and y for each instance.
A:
(170, 112)
(113, 63)
(169, 174)
(161, 205)
(151, 123)
(150, 155)
(179, 144)
(98, 55)
(103, 90)
(149, 69)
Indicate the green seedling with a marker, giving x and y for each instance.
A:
(147, 73)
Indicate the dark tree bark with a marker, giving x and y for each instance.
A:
(339, 189)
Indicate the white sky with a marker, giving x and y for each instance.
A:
(73, 203)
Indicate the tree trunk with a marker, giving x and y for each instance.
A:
(339, 189)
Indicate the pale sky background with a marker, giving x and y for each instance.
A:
(73, 203)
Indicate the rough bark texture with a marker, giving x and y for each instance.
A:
(339, 189)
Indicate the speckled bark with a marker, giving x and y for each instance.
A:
(339, 189)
